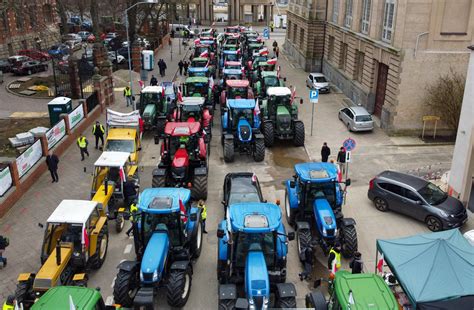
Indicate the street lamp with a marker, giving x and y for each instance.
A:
(130, 43)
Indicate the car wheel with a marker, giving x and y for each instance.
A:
(433, 223)
(339, 116)
(381, 204)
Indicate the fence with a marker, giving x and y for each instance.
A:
(55, 134)
(29, 158)
(92, 101)
(76, 116)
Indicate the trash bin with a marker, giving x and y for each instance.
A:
(58, 106)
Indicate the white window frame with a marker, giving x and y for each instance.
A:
(348, 14)
(335, 11)
(365, 19)
(388, 25)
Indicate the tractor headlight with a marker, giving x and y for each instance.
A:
(251, 304)
(141, 276)
(325, 233)
(155, 276)
(265, 302)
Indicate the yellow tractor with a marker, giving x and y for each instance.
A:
(76, 239)
(123, 133)
(111, 172)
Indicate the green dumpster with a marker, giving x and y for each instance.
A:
(58, 106)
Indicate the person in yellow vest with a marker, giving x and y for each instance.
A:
(9, 304)
(127, 93)
(98, 131)
(133, 211)
(202, 206)
(82, 144)
(334, 259)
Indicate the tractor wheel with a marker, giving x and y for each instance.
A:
(126, 287)
(303, 241)
(98, 258)
(227, 304)
(119, 223)
(179, 287)
(316, 300)
(290, 214)
(349, 246)
(286, 302)
(158, 181)
(299, 134)
(268, 134)
(196, 243)
(160, 126)
(23, 293)
(228, 151)
(259, 153)
(199, 189)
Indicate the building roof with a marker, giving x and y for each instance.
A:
(163, 200)
(178, 129)
(72, 212)
(152, 89)
(255, 217)
(112, 159)
(193, 101)
(316, 172)
(241, 103)
(237, 83)
(278, 91)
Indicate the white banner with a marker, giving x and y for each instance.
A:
(29, 158)
(55, 134)
(76, 116)
(5, 180)
(117, 119)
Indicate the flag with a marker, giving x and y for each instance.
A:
(204, 54)
(351, 299)
(71, 303)
(256, 111)
(293, 94)
(180, 95)
(254, 178)
(211, 84)
(263, 51)
(85, 237)
(380, 264)
(182, 210)
(272, 61)
(197, 41)
(122, 174)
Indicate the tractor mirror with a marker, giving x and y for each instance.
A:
(301, 101)
(291, 236)
(348, 182)
(193, 217)
(292, 184)
(317, 283)
(277, 202)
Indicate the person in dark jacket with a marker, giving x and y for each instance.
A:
(180, 66)
(52, 161)
(325, 152)
(186, 66)
(153, 81)
(341, 159)
(129, 191)
(4, 242)
(98, 131)
(357, 264)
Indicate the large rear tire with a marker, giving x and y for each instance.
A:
(158, 181)
(290, 214)
(299, 134)
(179, 287)
(196, 244)
(199, 189)
(23, 293)
(228, 151)
(227, 304)
(119, 223)
(316, 300)
(97, 260)
(259, 153)
(303, 241)
(286, 302)
(349, 246)
(126, 287)
(268, 134)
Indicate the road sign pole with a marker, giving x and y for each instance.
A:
(312, 117)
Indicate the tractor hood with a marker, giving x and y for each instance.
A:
(154, 258)
(283, 120)
(257, 284)
(325, 219)
(282, 111)
(245, 130)
(181, 158)
(150, 110)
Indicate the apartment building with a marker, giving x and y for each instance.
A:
(383, 53)
(27, 25)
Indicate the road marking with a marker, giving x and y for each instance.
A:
(113, 282)
(128, 249)
(109, 301)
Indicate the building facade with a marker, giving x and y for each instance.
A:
(383, 53)
(27, 25)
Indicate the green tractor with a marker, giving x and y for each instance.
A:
(279, 113)
(199, 86)
(153, 108)
(363, 291)
(204, 62)
(261, 66)
(267, 79)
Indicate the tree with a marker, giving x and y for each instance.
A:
(94, 9)
(61, 8)
(444, 97)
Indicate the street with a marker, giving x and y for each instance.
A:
(375, 151)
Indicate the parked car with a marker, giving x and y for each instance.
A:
(30, 67)
(318, 81)
(63, 65)
(71, 37)
(5, 65)
(18, 60)
(59, 50)
(84, 35)
(86, 26)
(35, 54)
(356, 119)
(120, 59)
(417, 198)
(124, 52)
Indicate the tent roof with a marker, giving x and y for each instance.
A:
(433, 266)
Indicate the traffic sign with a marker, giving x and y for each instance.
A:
(348, 156)
(314, 96)
(266, 33)
(349, 144)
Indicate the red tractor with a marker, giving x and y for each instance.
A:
(184, 161)
(236, 89)
(192, 109)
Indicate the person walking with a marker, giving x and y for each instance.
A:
(9, 304)
(271, 26)
(127, 93)
(82, 143)
(98, 131)
(334, 259)
(341, 159)
(160, 68)
(164, 67)
(129, 191)
(277, 51)
(153, 81)
(202, 206)
(325, 152)
(180, 66)
(275, 43)
(357, 265)
(186, 66)
(52, 161)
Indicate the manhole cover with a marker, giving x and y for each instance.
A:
(14, 86)
(27, 92)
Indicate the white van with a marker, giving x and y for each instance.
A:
(179, 27)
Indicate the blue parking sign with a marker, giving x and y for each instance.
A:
(266, 33)
(314, 96)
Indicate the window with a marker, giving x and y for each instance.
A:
(343, 56)
(432, 194)
(295, 28)
(411, 195)
(348, 14)
(365, 22)
(335, 11)
(388, 20)
(395, 189)
(331, 48)
(301, 37)
(359, 66)
(456, 17)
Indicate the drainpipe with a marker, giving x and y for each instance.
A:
(324, 37)
(418, 41)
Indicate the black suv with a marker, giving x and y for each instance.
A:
(241, 187)
(417, 198)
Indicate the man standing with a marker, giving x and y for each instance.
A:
(185, 66)
(129, 191)
(325, 152)
(127, 93)
(334, 259)
(180, 65)
(82, 144)
(98, 131)
(164, 67)
(153, 81)
(357, 264)
(160, 67)
(341, 159)
(277, 51)
(52, 162)
(203, 208)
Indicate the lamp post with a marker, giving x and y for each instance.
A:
(130, 43)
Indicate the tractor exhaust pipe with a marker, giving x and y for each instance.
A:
(58, 253)
(106, 186)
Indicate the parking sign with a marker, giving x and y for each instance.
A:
(314, 96)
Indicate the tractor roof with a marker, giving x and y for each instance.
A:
(58, 298)
(178, 129)
(241, 103)
(269, 73)
(163, 200)
(369, 291)
(112, 159)
(197, 79)
(255, 44)
(193, 101)
(198, 69)
(228, 52)
(200, 59)
(232, 63)
(121, 134)
(232, 71)
(255, 217)
(278, 91)
(152, 90)
(316, 172)
(72, 211)
(237, 83)
(207, 41)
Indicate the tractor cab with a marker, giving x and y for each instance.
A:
(199, 62)
(152, 105)
(252, 251)
(192, 109)
(240, 111)
(228, 55)
(204, 50)
(208, 32)
(198, 71)
(252, 48)
(268, 79)
(233, 40)
(236, 89)
(231, 74)
(196, 87)
(256, 58)
(123, 133)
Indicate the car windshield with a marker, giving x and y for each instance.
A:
(363, 118)
(433, 194)
(271, 81)
(321, 191)
(264, 242)
(162, 222)
(120, 146)
(320, 79)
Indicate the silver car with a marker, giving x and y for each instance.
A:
(318, 81)
(356, 119)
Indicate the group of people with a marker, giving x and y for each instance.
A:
(340, 159)
(183, 66)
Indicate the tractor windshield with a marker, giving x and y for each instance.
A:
(321, 191)
(198, 73)
(242, 114)
(194, 89)
(238, 93)
(271, 81)
(264, 242)
(199, 50)
(199, 63)
(243, 190)
(268, 67)
(231, 57)
(170, 223)
(181, 141)
(232, 41)
(233, 67)
(280, 100)
(233, 76)
(150, 98)
(120, 146)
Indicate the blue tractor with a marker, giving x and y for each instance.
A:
(313, 205)
(167, 233)
(252, 252)
(241, 130)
